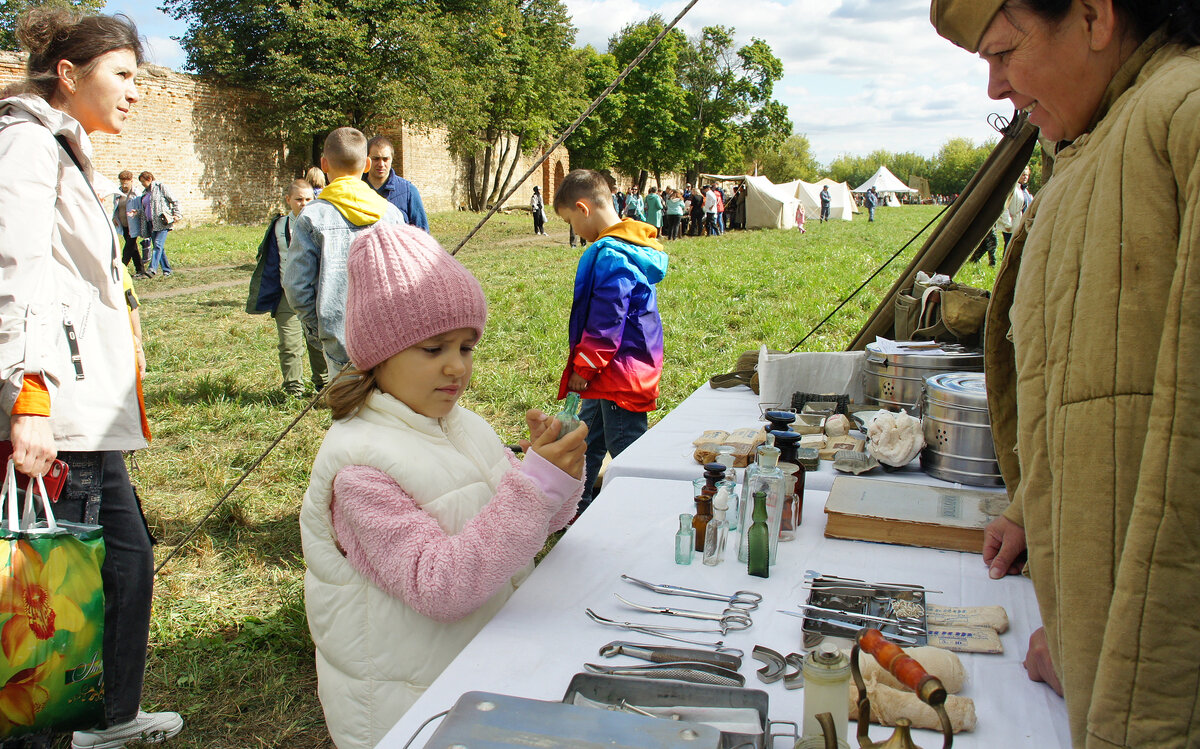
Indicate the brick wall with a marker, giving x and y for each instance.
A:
(195, 136)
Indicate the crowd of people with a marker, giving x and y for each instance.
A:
(417, 516)
(707, 211)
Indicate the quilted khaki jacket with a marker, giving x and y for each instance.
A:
(1095, 401)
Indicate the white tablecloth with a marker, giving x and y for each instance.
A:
(666, 450)
(542, 637)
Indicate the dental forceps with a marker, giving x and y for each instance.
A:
(661, 631)
(730, 620)
(745, 600)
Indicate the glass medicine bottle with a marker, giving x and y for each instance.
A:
(569, 415)
(793, 505)
(758, 539)
(717, 532)
(684, 540)
(768, 479)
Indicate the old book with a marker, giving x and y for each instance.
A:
(895, 512)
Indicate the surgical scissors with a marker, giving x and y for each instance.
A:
(730, 620)
(742, 599)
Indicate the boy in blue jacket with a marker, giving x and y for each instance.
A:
(266, 295)
(615, 332)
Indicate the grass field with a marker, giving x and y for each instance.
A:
(230, 647)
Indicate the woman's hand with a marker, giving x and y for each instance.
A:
(566, 453)
(33, 444)
(1003, 544)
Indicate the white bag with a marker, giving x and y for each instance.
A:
(781, 375)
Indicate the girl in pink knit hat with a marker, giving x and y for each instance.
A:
(418, 523)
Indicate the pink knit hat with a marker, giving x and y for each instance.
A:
(404, 288)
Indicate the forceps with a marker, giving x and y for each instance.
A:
(743, 599)
(659, 631)
(730, 620)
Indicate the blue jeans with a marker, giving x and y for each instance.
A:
(870, 213)
(159, 259)
(98, 490)
(611, 429)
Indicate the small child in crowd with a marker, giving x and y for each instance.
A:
(418, 524)
(266, 295)
(314, 277)
(800, 216)
(615, 333)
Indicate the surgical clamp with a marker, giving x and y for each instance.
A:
(730, 620)
(742, 599)
(660, 631)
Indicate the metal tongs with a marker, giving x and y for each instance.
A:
(745, 600)
(730, 620)
(656, 630)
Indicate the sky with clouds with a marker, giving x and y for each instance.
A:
(858, 74)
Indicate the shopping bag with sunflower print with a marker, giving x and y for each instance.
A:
(51, 617)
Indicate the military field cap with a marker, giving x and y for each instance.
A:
(964, 21)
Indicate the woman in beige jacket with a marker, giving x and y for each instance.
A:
(68, 372)
(1092, 355)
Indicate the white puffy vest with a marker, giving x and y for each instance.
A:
(375, 655)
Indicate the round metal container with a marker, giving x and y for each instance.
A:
(958, 430)
(896, 380)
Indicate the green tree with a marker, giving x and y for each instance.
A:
(532, 86)
(593, 144)
(11, 10)
(956, 162)
(729, 95)
(649, 134)
(853, 170)
(321, 64)
(792, 159)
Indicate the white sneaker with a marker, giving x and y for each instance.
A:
(146, 727)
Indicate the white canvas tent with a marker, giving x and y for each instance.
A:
(769, 206)
(886, 184)
(772, 206)
(841, 201)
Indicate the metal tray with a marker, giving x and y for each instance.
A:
(873, 599)
(612, 690)
(482, 720)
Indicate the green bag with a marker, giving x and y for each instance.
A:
(950, 314)
(51, 618)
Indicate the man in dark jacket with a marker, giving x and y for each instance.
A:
(397, 190)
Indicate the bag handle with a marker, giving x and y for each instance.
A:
(28, 517)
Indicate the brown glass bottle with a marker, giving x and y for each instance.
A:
(713, 472)
(793, 508)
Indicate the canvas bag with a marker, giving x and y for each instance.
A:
(951, 313)
(51, 618)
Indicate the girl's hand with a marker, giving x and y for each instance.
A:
(567, 453)
(538, 421)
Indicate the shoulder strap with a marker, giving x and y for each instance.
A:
(66, 146)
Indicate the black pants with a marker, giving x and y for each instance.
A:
(131, 252)
(98, 490)
(539, 222)
(988, 246)
(671, 226)
(697, 224)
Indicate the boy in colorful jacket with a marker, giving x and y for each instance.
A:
(615, 332)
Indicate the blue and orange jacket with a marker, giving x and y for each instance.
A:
(616, 335)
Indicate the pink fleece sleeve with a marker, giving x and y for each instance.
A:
(404, 551)
(555, 483)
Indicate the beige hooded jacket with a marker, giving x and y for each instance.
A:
(62, 308)
(1096, 394)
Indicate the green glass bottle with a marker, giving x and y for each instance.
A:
(758, 563)
(569, 415)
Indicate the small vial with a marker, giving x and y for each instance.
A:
(717, 532)
(569, 415)
(685, 540)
